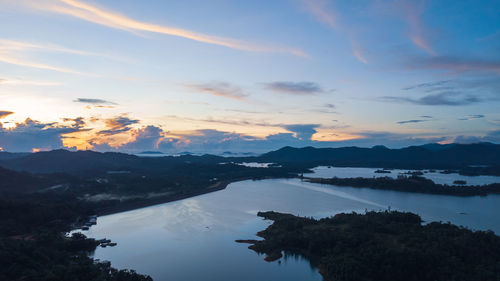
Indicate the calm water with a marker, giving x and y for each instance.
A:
(436, 176)
(193, 239)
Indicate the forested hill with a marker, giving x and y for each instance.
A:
(425, 156)
(484, 157)
(78, 162)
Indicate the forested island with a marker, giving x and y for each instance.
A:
(381, 246)
(411, 183)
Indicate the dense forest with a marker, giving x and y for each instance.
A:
(382, 246)
(410, 184)
(33, 245)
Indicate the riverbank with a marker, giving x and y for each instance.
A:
(137, 204)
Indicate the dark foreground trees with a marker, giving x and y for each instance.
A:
(383, 246)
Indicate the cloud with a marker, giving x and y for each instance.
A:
(452, 92)
(427, 85)
(117, 125)
(144, 139)
(297, 88)
(412, 12)
(411, 121)
(320, 10)
(31, 135)
(492, 136)
(4, 113)
(11, 53)
(22, 62)
(426, 116)
(78, 122)
(95, 14)
(456, 64)
(220, 89)
(444, 98)
(359, 55)
(303, 131)
(472, 117)
(97, 102)
(9, 81)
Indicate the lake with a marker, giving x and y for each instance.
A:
(434, 175)
(193, 239)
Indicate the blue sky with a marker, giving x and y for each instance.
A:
(225, 75)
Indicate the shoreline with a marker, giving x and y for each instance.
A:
(134, 205)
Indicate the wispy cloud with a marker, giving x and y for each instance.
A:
(297, 88)
(94, 101)
(427, 85)
(322, 11)
(472, 117)
(220, 89)
(11, 81)
(452, 92)
(13, 52)
(27, 63)
(444, 98)
(112, 19)
(456, 64)
(412, 121)
(412, 12)
(228, 121)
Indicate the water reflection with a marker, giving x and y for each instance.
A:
(193, 239)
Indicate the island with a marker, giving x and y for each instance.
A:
(412, 183)
(380, 246)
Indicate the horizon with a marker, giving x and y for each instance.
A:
(125, 76)
(247, 153)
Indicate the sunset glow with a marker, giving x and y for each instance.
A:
(240, 76)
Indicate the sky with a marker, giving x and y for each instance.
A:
(247, 76)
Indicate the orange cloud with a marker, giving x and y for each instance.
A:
(329, 135)
(4, 113)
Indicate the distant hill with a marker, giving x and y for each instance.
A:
(429, 156)
(11, 155)
(63, 161)
(85, 162)
(425, 156)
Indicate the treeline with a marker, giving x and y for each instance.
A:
(33, 245)
(380, 246)
(56, 258)
(415, 184)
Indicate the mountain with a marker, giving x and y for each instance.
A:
(91, 162)
(425, 156)
(63, 161)
(430, 156)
